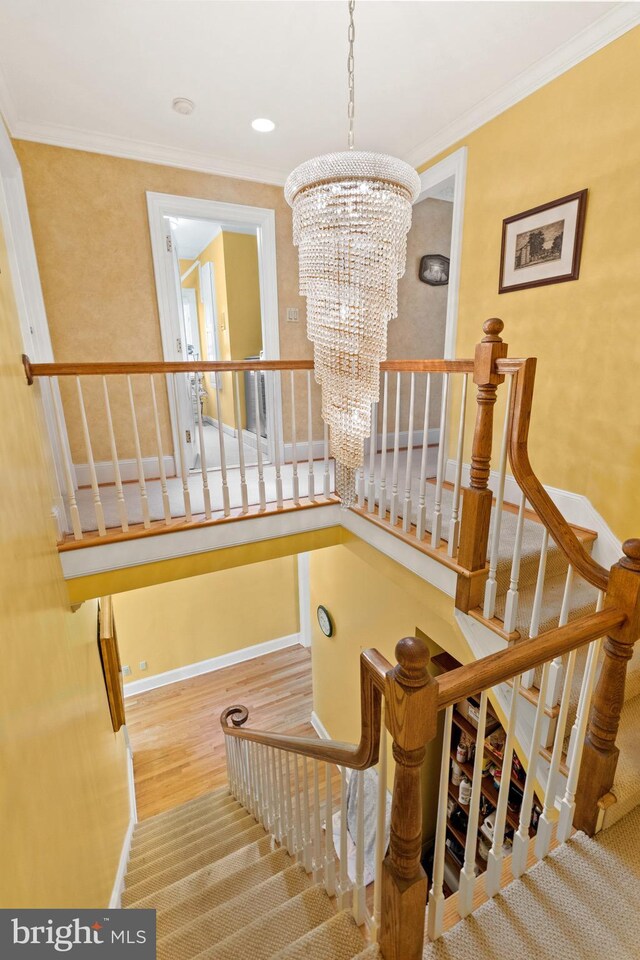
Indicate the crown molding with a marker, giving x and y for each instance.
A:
(59, 135)
(607, 28)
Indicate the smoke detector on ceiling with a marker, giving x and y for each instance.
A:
(183, 105)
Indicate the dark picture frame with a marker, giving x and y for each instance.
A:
(434, 269)
(533, 245)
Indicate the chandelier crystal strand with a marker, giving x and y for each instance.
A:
(351, 216)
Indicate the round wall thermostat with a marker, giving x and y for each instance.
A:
(325, 621)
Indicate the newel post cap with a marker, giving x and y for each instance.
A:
(413, 658)
(492, 328)
(631, 550)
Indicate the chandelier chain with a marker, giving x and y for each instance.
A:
(351, 72)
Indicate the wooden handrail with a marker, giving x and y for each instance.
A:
(520, 416)
(33, 370)
(472, 678)
(374, 670)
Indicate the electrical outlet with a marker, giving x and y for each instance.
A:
(143, 664)
(292, 314)
(126, 671)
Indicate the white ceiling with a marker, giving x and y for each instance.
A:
(192, 236)
(101, 75)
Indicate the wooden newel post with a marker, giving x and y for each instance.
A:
(600, 756)
(477, 498)
(411, 717)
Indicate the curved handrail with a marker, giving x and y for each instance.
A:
(520, 416)
(374, 669)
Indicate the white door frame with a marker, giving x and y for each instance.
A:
(34, 327)
(455, 165)
(160, 205)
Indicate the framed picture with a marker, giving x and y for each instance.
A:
(543, 245)
(434, 269)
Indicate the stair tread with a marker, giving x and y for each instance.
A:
(204, 839)
(234, 914)
(182, 868)
(583, 600)
(142, 838)
(170, 899)
(272, 932)
(337, 939)
(200, 829)
(211, 799)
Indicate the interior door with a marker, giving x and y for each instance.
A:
(187, 386)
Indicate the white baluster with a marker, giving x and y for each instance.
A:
(271, 803)
(122, 507)
(261, 487)
(556, 670)
(345, 884)
(406, 513)
(275, 382)
(329, 849)
(454, 525)
(327, 471)
(206, 493)
(299, 846)
(491, 586)
(294, 444)
(312, 492)
(584, 701)
(284, 826)
(421, 519)
(435, 912)
(74, 513)
(241, 462)
(227, 759)
(529, 676)
(223, 456)
(306, 819)
(166, 506)
(97, 503)
(277, 812)
(290, 824)
(436, 531)
(382, 504)
(359, 905)
(468, 874)
(144, 500)
(396, 454)
(184, 469)
(576, 742)
(250, 778)
(511, 602)
(317, 826)
(521, 837)
(373, 449)
(493, 876)
(381, 827)
(360, 486)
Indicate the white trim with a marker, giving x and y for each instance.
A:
(208, 666)
(623, 17)
(574, 507)
(319, 726)
(304, 599)
(160, 205)
(128, 470)
(115, 901)
(455, 165)
(60, 135)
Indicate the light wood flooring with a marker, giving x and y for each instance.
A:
(177, 742)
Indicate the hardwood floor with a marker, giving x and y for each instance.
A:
(177, 742)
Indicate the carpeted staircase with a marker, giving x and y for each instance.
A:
(222, 891)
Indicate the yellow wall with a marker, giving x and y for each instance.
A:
(63, 800)
(88, 213)
(374, 602)
(581, 130)
(174, 624)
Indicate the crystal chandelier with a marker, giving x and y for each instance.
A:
(351, 216)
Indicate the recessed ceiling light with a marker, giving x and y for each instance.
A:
(183, 105)
(262, 125)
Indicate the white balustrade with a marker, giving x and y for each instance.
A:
(373, 449)
(396, 454)
(327, 470)
(359, 905)
(142, 486)
(204, 473)
(454, 525)
(97, 503)
(311, 481)
(262, 497)
(74, 513)
(511, 601)
(184, 466)
(166, 506)
(329, 850)
(421, 518)
(381, 827)
(295, 483)
(435, 911)
(534, 627)
(244, 494)
(493, 873)
(491, 586)
(436, 531)
(317, 825)
(468, 872)
(382, 501)
(407, 506)
(344, 896)
(122, 507)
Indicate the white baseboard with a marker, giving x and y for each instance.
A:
(208, 666)
(319, 726)
(128, 470)
(116, 894)
(574, 507)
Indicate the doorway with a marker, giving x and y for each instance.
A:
(216, 284)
